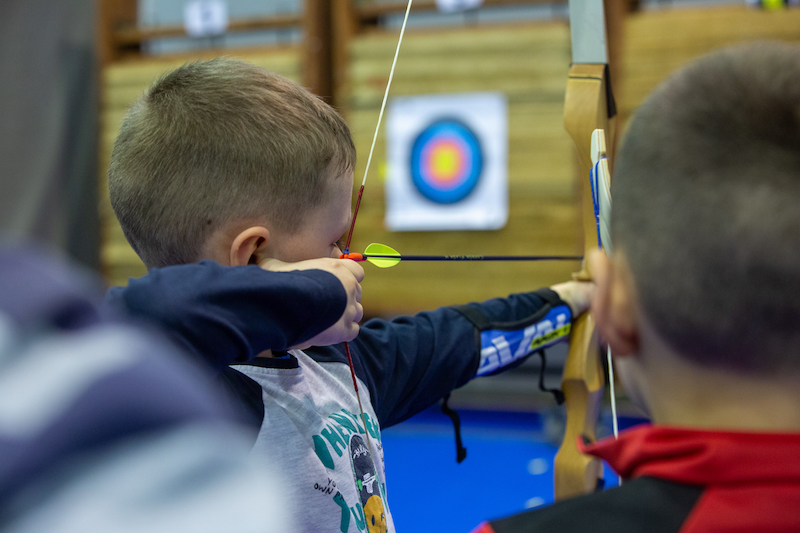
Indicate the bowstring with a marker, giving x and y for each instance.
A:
(594, 178)
(378, 127)
(353, 224)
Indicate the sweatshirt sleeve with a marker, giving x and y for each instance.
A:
(225, 315)
(410, 363)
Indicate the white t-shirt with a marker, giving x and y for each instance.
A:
(313, 432)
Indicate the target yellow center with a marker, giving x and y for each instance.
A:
(445, 162)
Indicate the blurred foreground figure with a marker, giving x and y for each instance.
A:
(700, 305)
(106, 427)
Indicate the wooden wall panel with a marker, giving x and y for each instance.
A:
(659, 42)
(122, 84)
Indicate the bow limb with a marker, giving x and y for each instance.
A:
(586, 108)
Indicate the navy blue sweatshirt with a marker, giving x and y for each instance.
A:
(227, 315)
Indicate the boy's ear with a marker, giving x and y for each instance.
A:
(250, 246)
(613, 304)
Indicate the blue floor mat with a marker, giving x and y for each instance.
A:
(508, 469)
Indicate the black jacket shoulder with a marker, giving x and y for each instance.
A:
(645, 504)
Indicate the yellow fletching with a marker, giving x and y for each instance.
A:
(381, 249)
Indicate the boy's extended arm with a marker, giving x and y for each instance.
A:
(228, 315)
(410, 363)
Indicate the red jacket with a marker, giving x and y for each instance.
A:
(682, 480)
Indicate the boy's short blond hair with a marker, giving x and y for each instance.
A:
(218, 141)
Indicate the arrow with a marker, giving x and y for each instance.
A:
(384, 256)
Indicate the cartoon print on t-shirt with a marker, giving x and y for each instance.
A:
(368, 485)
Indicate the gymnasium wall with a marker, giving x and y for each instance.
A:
(526, 61)
(659, 42)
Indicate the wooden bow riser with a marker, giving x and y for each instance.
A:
(585, 110)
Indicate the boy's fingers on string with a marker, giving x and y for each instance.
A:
(577, 294)
(355, 268)
(349, 277)
(349, 321)
(344, 330)
(355, 271)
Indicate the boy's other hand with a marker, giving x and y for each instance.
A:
(350, 275)
(577, 294)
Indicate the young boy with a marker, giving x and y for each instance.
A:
(700, 305)
(222, 160)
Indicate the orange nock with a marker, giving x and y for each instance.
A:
(353, 256)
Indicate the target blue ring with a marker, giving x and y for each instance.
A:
(456, 132)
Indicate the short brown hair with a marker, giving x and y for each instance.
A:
(707, 208)
(216, 141)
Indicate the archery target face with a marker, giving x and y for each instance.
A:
(447, 162)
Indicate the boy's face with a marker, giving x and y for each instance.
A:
(324, 227)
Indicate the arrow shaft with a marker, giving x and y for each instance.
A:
(364, 257)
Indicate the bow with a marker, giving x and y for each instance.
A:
(588, 106)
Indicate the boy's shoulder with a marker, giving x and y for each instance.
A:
(245, 389)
